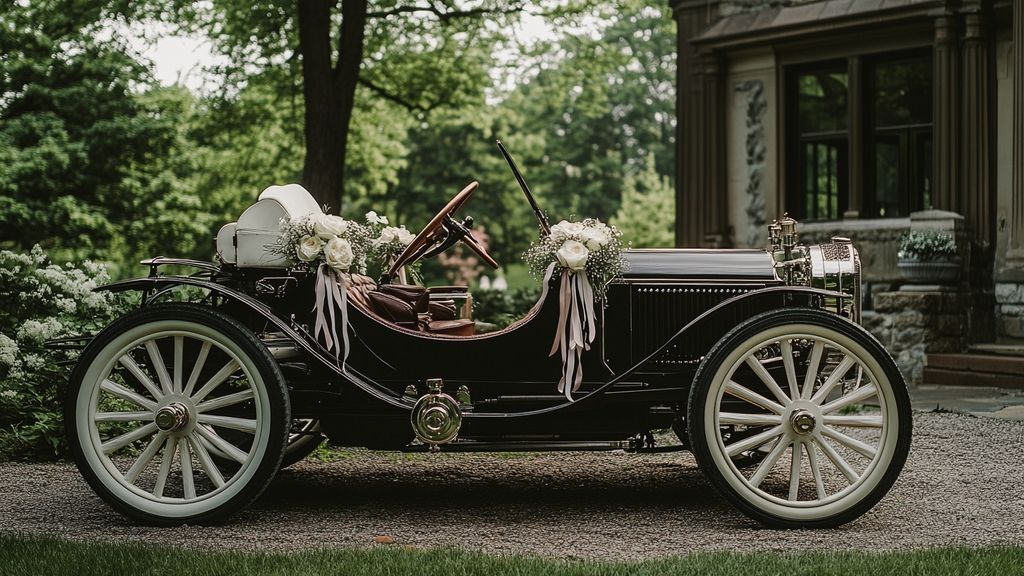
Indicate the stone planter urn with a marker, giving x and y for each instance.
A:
(944, 271)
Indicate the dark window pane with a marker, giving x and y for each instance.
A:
(824, 178)
(903, 92)
(923, 146)
(887, 176)
(822, 101)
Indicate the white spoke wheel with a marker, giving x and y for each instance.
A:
(800, 418)
(177, 414)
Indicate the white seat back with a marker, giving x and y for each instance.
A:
(258, 227)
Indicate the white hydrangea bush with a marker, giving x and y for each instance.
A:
(40, 300)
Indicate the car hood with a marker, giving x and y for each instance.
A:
(707, 264)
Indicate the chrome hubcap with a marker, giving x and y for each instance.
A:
(172, 417)
(802, 421)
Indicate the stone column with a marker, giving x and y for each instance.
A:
(1017, 152)
(976, 136)
(716, 232)
(945, 114)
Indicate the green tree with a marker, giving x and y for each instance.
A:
(647, 216)
(90, 167)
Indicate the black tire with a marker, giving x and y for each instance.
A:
(259, 370)
(710, 452)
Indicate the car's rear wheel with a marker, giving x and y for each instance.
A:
(822, 397)
(177, 414)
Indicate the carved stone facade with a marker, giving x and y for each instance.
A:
(737, 162)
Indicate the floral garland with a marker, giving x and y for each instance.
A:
(334, 246)
(589, 255)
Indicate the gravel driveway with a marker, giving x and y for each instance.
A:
(961, 486)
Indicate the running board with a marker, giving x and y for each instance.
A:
(551, 446)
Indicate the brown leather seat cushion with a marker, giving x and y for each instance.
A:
(393, 309)
(461, 327)
(443, 310)
(416, 296)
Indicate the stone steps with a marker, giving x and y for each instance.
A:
(1002, 370)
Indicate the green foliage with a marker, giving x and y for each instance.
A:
(42, 300)
(92, 165)
(647, 215)
(503, 307)
(927, 246)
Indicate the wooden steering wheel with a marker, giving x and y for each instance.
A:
(442, 230)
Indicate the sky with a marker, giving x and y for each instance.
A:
(183, 58)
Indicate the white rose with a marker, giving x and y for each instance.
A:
(309, 248)
(327, 226)
(573, 255)
(405, 237)
(373, 218)
(387, 235)
(594, 238)
(566, 229)
(338, 254)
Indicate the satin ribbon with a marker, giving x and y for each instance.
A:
(575, 330)
(331, 294)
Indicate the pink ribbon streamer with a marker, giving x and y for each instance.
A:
(576, 328)
(331, 294)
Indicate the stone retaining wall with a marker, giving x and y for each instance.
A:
(911, 323)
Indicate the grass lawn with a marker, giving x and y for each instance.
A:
(28, 556)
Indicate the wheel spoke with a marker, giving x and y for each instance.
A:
(786, 347)
(859, 446)
(812, 459)
(794, 471)
(841, 369)
(769, 462)
(123, 416)
(223, 401)
(166, 457)
(240, 424)
(812, 370)
(734, 389)
(744, 419)
(136, 371)
(853, 421)
(179, 346)
(159, 366)
(197, 369)
(206, 463)
(216, 380)
(188, 482)
(857, 395)
(144, 459)
(762, 373)
(752, 442)
(838, 460)
(227, 448)
(126, 394)
(118, 442)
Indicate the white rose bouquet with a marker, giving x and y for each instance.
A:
(315, 239)
(332, 246)
(590, 246)
(588, 255)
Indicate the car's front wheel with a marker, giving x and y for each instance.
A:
(177, 414)
(821, 397)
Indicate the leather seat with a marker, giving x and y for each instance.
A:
(408, 306)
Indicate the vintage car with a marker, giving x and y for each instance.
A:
(183, 410)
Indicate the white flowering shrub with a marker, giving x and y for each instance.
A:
(40, 300)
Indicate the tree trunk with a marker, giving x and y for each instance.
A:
(346, 76)
(329, 93)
